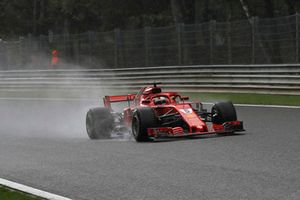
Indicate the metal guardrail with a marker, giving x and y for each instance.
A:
(269, 79)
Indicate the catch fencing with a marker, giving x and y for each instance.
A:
(255, 41)
(266, 79)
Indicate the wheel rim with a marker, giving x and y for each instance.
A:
(214, 112)
(215, 115)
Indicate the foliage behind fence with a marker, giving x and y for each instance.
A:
(257, 41)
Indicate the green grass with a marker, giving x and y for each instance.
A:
(265, 99)
(242, 98)
(10, 194)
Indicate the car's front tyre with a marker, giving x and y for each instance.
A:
(142, 119)
(223, 112)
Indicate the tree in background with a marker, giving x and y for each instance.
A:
(22, 17)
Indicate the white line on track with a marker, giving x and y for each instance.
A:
(259, 106)
(267, 106)
(93, 99)
(31, 190)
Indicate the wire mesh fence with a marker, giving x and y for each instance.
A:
(255, 41)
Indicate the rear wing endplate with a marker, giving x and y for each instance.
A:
(107, 100)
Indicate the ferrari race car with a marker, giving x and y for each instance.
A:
(152, 114)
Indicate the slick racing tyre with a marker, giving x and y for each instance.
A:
(142, 119)
(99, 123)
(223, 112)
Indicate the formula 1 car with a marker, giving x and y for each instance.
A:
(152, 114)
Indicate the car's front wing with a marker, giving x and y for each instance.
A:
(227, 127)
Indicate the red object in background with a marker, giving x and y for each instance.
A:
(54, 60)
(54, 53)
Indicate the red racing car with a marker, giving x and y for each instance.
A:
(152, 114)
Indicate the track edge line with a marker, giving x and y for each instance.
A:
(31, 190)
(259, 105)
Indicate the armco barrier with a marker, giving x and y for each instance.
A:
(269, 79)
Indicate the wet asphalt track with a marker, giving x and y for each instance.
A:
(44, 145)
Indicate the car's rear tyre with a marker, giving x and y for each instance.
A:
(142, 119)
(223, 112)
(99, 123)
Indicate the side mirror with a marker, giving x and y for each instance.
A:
(185, 98)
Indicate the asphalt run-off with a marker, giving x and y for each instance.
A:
(44, 145)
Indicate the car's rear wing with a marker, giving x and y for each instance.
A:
(107, 100)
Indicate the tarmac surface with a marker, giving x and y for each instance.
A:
(44, 145)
